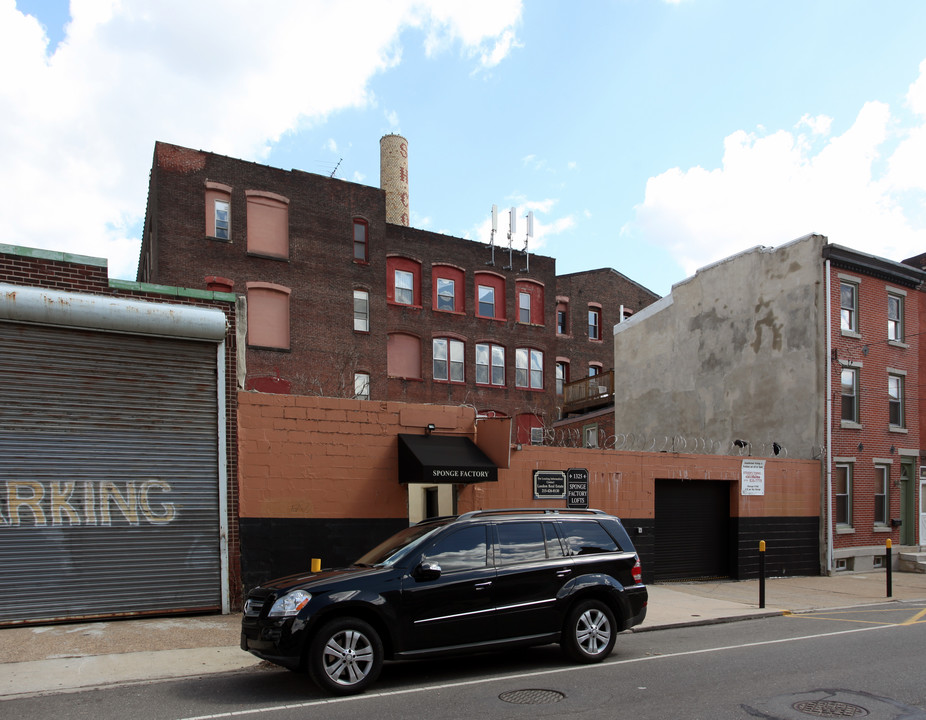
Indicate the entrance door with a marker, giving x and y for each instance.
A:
(426, 501)
(907, 502)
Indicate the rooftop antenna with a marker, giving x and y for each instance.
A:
(340, 160)
(513, 222)
(527, 237)
(494, 229)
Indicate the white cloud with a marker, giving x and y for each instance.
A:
(864, 189)
(79, 126)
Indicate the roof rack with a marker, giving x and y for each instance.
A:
(530, 511)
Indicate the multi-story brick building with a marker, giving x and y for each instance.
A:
(345, 300)
(808, 350)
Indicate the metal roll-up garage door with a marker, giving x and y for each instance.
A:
(692, 529)
(109, 474)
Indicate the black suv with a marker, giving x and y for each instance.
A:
(484, 580)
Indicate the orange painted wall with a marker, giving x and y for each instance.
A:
(330, 458)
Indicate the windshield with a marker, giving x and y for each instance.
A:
(395, 548)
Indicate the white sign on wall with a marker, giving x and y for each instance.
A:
(753, 477)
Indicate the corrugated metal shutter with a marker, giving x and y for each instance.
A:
(109, 501)
(692, 529)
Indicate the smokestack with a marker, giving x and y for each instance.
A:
(393, 177)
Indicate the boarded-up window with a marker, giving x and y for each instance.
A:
(268, 224)
(268, 315)
(403, 356)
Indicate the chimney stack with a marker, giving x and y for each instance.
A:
(393, 177)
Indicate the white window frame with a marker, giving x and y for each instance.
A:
(848, 313)
(854, 372)
(361, 312)
(361, 386)
(448, 357)
(848, 467)
(528, 369)
(895, 324)
(488, 291)
(404, 287)
(895, 399)
(222, 227)
(493, 370)
(524, 307)
(594, 323)
(443, 297)
(882, 483)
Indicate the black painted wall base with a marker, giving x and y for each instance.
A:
(274, 547)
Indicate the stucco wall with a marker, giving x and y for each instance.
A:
(733, 351)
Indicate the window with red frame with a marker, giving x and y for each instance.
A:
(403, 281)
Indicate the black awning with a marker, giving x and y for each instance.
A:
(443, 459)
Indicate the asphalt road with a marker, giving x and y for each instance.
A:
(863, 662)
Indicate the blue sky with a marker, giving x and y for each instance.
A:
(649, 136)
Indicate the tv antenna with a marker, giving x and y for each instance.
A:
(340, 160)
(512, 229)
(494, 229)
(527, 237)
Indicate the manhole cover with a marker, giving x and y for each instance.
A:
(829, 709)
(531, 697)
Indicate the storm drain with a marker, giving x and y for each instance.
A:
(531, 697)
(829, 709)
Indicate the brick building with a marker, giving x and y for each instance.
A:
(345, 300)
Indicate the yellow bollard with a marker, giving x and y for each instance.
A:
(316, 565)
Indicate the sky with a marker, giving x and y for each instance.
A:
(654, 137)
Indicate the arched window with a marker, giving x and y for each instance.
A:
(218, 210)
(490, 296)
(403, 282)
(403, 356)
(268, 224)
(361, 240)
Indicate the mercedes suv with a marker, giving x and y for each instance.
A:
(485, 580)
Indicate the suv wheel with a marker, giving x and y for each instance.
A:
(589, 633)
(345, 656)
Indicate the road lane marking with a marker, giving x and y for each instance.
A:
(526, 675)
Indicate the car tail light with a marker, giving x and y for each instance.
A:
(637, 572)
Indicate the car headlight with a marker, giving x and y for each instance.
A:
(290, 604)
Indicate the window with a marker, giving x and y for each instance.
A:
(268, 315)
(486, 301)
(490, 296)
(528, 368)
(362, 386)
(882, 505)
(842, 489)
(849, 383)
(403, 356)
(586, 538)
(361, 311)
(446, 292)
(594, 323)
(404, 287)
(562, 376)
(895, 318)
(895, 401)
(590, 436)
(465, 549)
(524, 307)
(218, 210)
(222, 215)
(520, 542)
(447, 283)
(594, 370)
(530, 302)
(848, 303)
(490, 364)
(448, 360)
(268, 224)
(404, 281)
(361, 240)
(560, 320)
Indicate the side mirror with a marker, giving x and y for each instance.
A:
(427, 571)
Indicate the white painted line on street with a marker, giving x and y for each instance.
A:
(521, 676)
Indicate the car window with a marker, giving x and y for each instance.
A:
(464, 549)
(520, 542)
(586, 538)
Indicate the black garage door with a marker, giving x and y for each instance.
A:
(692, 529)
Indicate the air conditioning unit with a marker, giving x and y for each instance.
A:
(536, 436)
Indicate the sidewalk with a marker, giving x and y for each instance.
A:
(56, 658)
